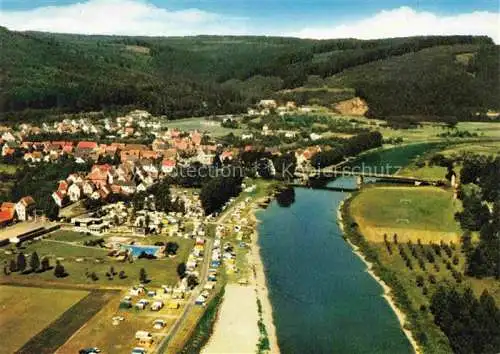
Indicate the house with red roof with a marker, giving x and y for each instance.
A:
(58, 198)
(168, 166)
(7, 213)
(87, 145)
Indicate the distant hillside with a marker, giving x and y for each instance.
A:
(431, 82)
(42, 73)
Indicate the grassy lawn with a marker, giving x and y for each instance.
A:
(26, 311)
(430, 131)
(72, 236)
(9, 169)
(202, 125)
(425, 213)
(434, 173)
(77, 260)
(482, 148)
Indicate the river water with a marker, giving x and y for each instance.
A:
(323, 299)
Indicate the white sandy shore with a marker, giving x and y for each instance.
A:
(263, 295)
(236, 329)
(387, 290)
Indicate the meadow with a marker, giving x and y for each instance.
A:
(202, 125)
(425, 213)
(79, 260)
(26, 311)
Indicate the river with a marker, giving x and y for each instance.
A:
(323, 299)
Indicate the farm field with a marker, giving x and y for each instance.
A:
(425, 213)
(79, 260)
(212, 127)
(100, 331)
(28, 310)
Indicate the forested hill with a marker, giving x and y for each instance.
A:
(420, 76)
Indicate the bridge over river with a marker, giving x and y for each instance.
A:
(333, 171)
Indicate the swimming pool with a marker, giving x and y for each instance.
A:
(137, 250)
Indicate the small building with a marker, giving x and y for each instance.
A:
(25, 208)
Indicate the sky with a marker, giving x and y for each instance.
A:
(364, 19)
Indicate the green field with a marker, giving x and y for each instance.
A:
(430, 131)
(26, 311)
(78, 259)
(9, 169)
(202, 125)
(481, 148)
(425, 213)
(434, 173)
(59, 331)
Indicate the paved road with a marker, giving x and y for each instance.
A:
(162, 347)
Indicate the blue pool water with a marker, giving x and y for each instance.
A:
(137, 250)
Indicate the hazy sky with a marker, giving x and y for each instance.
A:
(302, 18)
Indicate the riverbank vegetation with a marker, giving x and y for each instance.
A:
(428, 336)
(447, 287)
(204, 328)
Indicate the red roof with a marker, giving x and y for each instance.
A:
(27, 201)
(103, 168)
(168, 163)
(87, 145)
(6, 215)
(63, 186)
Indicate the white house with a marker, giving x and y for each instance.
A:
(8, 136)
(74, 192)
(88, 188)
(25, 208)
(267, 104)
(58, 198)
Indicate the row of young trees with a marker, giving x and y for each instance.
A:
(36, 265)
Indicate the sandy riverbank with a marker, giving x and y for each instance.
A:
(262, 292)
(236, 329)
(387, 295)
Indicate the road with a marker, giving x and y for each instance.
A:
(162, 347)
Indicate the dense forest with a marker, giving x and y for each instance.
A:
(43, 73)
(472, 325)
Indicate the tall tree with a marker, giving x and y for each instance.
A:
(143, 276)
(21, 262)
(34, 262)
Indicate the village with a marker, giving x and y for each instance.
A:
(110, 231)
